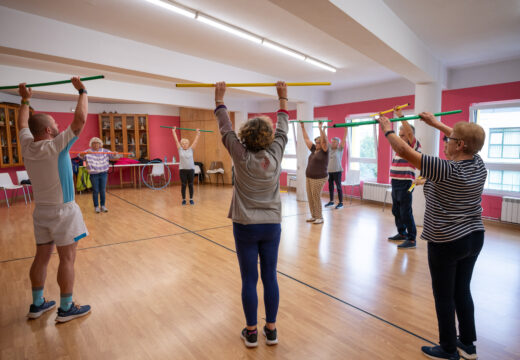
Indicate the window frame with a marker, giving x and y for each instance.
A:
(350, 159)
(496, 165)
(295, 155)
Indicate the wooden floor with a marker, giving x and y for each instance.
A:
(163, 282)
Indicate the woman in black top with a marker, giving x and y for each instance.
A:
(452, 226)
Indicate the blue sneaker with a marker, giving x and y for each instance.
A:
(36, 311)
(192, 202)
(75, 311)
(436, 352)
(183, 202)
(467, 351)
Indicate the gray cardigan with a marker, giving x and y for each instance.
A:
(256, 194)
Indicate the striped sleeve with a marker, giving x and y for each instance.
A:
(435, 169)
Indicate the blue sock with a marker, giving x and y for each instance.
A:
(37, 294)
(66, 302)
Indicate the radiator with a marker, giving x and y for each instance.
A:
(376, 192)
(510, 210)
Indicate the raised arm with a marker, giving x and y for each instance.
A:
(344, 140)
(323, 138)
(281, 89)
(398, 144)
(308, 142)
(429, 119)
(196, 141)
(80, 115)
(408, 131)
(177, 143)
(23, 116)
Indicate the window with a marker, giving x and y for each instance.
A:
(362, 145)
(501, 150)
(289, 161)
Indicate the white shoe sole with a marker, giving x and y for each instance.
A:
(63, 319)
(270, 342)
(31, 315)
(248, 344)
(318, 221)
(467, 356)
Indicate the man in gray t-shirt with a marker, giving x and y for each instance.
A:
(335, 169)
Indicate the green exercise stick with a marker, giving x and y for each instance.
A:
(53, 82)
(178, 128)
(309, 121)
(413, 117)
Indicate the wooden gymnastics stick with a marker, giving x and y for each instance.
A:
(256, 84)
(53, 82)
(99, 152)
(413, 185)
(309, 121)
(390, 110)
(178, 128)
(413, 117)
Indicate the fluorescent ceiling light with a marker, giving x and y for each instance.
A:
(320, 64)
(229, 29)
(169, 6)
(283, 50)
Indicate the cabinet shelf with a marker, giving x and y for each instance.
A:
(127, 135)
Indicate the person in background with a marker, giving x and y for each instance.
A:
(335, 169)
(186, 164)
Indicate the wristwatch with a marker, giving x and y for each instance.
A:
(82, 91)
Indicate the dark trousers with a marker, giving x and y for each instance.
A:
(186, 178)
(402, 208)
(451, 267)
(252, 241)
(99, 184)
(335, 178)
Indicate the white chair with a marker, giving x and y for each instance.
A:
(291, 181)
(22, 175)
(217, 168)
(157, 171)
(197, 173)
(7, 184)
(352, 179)
(387, 191)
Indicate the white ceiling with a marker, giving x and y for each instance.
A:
(458, 32)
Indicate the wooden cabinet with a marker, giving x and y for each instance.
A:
(125, 133)
(10, 151)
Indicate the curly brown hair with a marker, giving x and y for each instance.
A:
(257, 133)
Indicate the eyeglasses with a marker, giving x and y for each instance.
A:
(447, 138)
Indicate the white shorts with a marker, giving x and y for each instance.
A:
(60, 224)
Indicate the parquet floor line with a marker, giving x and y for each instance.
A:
(286, 275)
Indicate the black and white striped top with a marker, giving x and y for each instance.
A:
(453, 193)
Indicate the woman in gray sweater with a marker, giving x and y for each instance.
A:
(257, 154)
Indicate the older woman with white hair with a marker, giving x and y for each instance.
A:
(97, 164)
(186, 164)
(452, 226)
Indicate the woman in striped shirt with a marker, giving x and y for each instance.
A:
(97, 166)
(452, 226)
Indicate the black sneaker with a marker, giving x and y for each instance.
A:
(74, 312)
(330, 203)
(250, 337)
(339, 206)
(408, 244)
(271, 337)
(36, 311)
(398, 237)
(467, 351)
(436, 352)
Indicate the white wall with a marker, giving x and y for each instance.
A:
(484, 74)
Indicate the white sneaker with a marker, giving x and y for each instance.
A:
(104, 209)
(98, 210)
(311, 220)
(318, 221)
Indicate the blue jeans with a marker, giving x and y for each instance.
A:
(252, 241)
(402, 208)
(99, 183)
